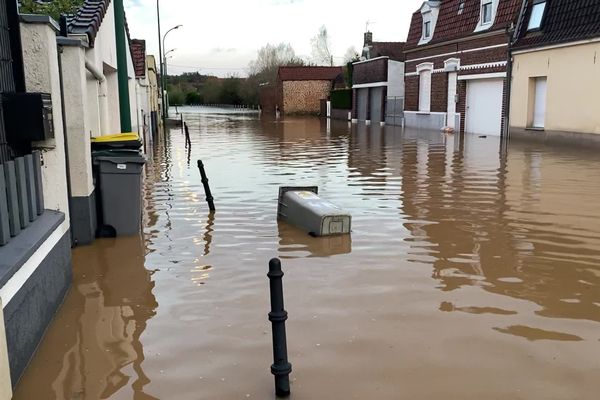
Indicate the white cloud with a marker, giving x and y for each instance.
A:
(222, 37)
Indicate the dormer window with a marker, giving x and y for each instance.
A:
(429, 14)
(487, 14)
(461, 7)
(426, 29)
(537, 14)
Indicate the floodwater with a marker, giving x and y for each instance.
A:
(471, 273)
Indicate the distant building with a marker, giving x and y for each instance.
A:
(299, 90)
(378, 76)
(456, 61)
(556, 71)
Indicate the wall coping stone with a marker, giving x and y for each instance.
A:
(15, 253)
(40, 19)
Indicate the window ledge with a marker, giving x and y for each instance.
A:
(532, 128)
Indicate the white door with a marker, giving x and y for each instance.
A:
(452, 77)
(484, 106)
(539, 103)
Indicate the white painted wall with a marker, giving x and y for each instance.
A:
(77, 116)
(395, 79)
(40, 56)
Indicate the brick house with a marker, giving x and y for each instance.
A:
(379, 75)
(456, 62)
(555, 91)
(299, 90)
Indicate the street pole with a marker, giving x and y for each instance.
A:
(164, 77)
(160, 61)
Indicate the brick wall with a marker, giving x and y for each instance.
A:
(303, 97)
(439, 80)
(371, 71)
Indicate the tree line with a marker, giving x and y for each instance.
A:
(195, 88)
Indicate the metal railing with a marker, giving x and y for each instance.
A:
(21, 195)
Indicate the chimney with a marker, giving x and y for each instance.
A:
(368, 39)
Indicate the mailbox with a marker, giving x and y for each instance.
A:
(28, 117)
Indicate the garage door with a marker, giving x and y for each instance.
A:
(484, 106)
(363, 101)
(376, 104)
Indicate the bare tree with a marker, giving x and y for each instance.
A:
(321, 53)
(270, 57)
(351, 55)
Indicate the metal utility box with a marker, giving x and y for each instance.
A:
(28, 116)
(302, 207)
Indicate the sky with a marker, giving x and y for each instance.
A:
(221, 37)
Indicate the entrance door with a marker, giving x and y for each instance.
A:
(539, 103)
(376, 104)
(484, 106)
(363, 101)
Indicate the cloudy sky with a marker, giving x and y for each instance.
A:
(221, 37)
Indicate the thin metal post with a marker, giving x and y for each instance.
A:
(209, 198)
(281, 368)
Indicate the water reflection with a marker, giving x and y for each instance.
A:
(105, 315)
(294, 243)
(459, 246)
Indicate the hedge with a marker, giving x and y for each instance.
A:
(341, 99)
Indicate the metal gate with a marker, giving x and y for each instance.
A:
(394, 111)
(11, 67)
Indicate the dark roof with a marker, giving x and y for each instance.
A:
(563, 21)
(393, 50)
(87, 20)
(138, 55)
(309, 73)
(452, 25)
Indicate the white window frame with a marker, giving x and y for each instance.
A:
(485, 25)
(541, 20)
(425, 71)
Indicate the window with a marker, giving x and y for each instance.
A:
(537, 14)
(461, 7)
(486, 13)
(426, 29)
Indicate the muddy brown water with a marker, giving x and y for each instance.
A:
(470, 273)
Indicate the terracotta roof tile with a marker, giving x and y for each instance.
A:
(87, 20)
(564, 21)
(309, 73)
(452, 25)
(138, 55)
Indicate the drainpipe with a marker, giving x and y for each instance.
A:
(121, 42)
(102, 95)
(65, 139)
(513, 32)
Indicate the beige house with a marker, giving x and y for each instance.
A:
(555, 94)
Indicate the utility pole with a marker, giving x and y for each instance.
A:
(160, 61)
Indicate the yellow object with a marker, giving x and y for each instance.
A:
(120, 137)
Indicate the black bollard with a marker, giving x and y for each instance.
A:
(281, 368)
(209, 198)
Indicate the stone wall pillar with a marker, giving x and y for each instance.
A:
(83, 206)
(40, 58)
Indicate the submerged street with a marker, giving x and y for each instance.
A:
(472, 271)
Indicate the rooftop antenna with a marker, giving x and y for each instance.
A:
(367, 25)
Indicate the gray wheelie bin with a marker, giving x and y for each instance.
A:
(120, 179)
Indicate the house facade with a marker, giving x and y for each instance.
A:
(456, 65)
(555, 93)
(299, 90)
(377, 78)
